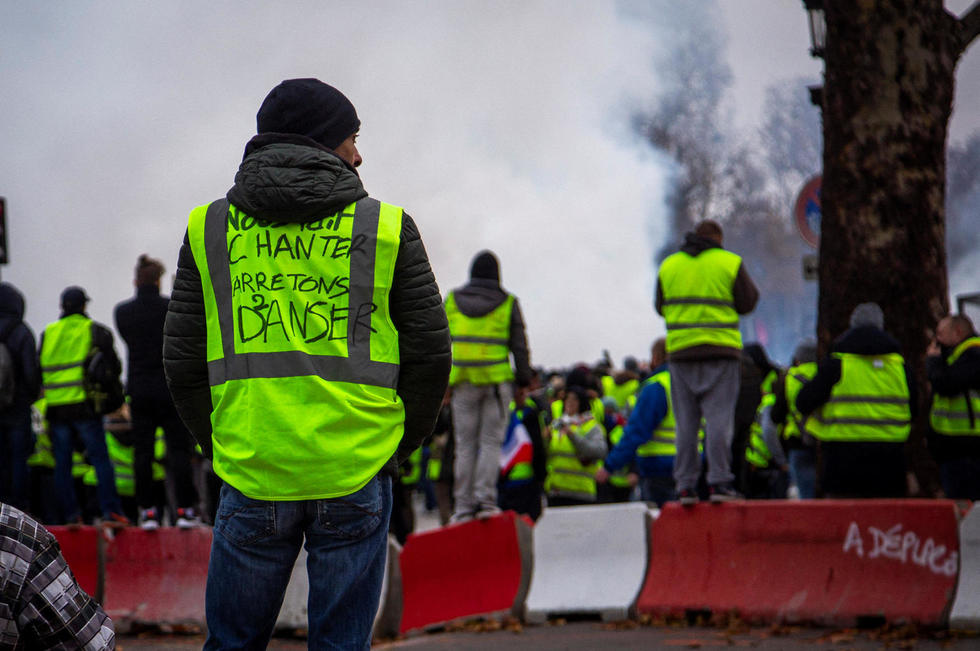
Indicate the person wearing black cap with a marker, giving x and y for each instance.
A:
(307, 350)
(487, 329)
(863, 402)
(67, 348)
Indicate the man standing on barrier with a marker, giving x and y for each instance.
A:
(307, 349)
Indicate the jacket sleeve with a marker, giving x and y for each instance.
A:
(103, 341)
(816, 392)
(651, 407)
(953, 379)
(591, 445)
(185, 350)
(423, 338)
(744, 292)
(29, 364)
(518, 347)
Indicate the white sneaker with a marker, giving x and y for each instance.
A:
(488, 511)
(187, 518)
(149, 520)
(460, 517)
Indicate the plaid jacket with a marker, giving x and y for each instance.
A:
(41, 605)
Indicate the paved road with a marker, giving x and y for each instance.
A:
(610, 637)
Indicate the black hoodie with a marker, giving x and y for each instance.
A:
(20, 341)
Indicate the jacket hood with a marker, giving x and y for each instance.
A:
(11, 302)
(867, 340)
(289, 178)
(479, 297)
(693, 244)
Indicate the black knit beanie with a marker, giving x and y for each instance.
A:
(309, 108)
(485, 266)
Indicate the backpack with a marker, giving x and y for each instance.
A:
(8, 376)
(103, 389)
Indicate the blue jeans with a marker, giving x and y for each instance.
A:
(16, 445)
(253, 550)
(803, 472)
(93, 437)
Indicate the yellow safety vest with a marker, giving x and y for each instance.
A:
(66, 344)
(698, 303)
(663, 442)
(121, 458)
(620, 478)
(301, 350)
(957, 415)
(481, 351)
(757, 452)
(796, 424)
(869, 403)
(413, 474)
(567, 476)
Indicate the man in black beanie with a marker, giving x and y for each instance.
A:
(487, 329)
(307, 350)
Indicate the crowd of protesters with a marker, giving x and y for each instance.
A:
(586, 434)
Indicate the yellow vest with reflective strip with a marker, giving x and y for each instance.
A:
(663, 442)
(302, 354)
(957, 415)
(620, 478)
(66, 344)
(869, 403)
(121, 458)
(757, 452)
(796, 377)
(698, 303)
(481, 351)
(567, 476)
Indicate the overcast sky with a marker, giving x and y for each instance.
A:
(500, 125)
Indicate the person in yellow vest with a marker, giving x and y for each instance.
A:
(701, 291)
(795, 435)
(576, 446)
(861, 404)
(307, 350)
(953, 367)
(766, 464)
(65, 348)
(487, 330)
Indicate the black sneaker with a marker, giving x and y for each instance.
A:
(687, 497)
(723, 493)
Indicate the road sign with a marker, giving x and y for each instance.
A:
(3, 231)
(807, 212)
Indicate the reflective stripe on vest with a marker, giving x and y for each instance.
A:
(698, 303)
(796, 377)
(957, 415)
(481, 352)
(302, 353)
(663, 442)
(870, 402)
(66, 344)
(566, 474)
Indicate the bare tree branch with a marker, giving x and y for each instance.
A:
(969, 26)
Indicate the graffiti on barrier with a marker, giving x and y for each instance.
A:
(902, 546)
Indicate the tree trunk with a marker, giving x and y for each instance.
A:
(887, 100)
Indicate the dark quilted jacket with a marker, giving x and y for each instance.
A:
(289, 178)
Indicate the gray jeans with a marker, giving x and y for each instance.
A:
(709, 389)
(480, 423)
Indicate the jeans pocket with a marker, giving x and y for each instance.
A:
(243, 520)
(353, 516)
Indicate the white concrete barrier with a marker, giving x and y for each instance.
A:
(293, 614)
(589, 559)
(966, 604)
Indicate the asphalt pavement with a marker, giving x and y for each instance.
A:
(591, 635)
